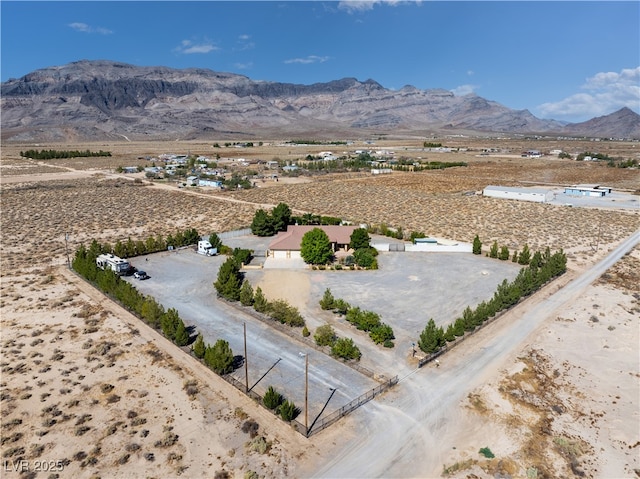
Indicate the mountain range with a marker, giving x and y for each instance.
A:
(101, 100)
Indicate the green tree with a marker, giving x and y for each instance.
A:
(272, 398)
(151, 311)
(327, 301)
(325, 335)
(190, 236)
(316, 247)
(199, 347)
(493, 252)
(215, 241)
(359, 239)
(381, 334)
(260, 303)
(182, 335)
(346, 349)
(229, 280)
(281, 217)
(289, 411)
(242, 255)
(169, 323)
(262, 224)
(504, 253)
(246, 294)
(524, 257)
(365, 258)
(536, 260)
(514, 258)
(340, 306)
(477, 245)
(432, 338)
(219, 357)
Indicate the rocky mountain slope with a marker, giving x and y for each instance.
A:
(94, 100)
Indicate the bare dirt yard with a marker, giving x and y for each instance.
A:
(89, 390)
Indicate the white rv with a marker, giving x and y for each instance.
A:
(112, 262)
(205, 248)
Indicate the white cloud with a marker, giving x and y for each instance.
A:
(84, 28)
(187, 47)
(243, 66)
(464, 90)
(352, 6)
(244, 43)
(307, 60)
(605, 92)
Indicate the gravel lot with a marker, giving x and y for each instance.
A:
(407, 290)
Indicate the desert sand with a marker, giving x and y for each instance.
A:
(87, 390)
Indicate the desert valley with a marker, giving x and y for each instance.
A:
(548, 389)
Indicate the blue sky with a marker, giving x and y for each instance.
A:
(564, 60)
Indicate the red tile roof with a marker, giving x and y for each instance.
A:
(291, 239)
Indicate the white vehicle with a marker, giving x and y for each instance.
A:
(112, 262)
(205, 248)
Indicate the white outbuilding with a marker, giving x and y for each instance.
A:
(537, 195)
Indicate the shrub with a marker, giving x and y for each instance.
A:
(288, 411)
(486, 452)
(282, 311)
(345, 348)
(272, 398)
(251, 427)
(382, 334)
(327, 301)
(325, 335)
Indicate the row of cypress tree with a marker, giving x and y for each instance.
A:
(541, 269)
(218, 357)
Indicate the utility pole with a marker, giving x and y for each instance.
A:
(306, 394)
(246, 365)
(66, 248)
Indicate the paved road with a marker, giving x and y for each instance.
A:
(405, 433)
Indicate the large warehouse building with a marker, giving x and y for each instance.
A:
(538, 195)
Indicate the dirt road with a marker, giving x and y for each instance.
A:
(411, 430)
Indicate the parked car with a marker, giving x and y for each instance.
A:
(140, 275)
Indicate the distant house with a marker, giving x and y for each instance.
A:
(272, 165)
(287, 244)
(531, 154)
(213, 183)
(130, 169)
(192, 181)
(538, 195)
(587, 190)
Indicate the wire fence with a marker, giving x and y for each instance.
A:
(344, 410)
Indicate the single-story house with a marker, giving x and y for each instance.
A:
(287, 244)
(538, 195)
